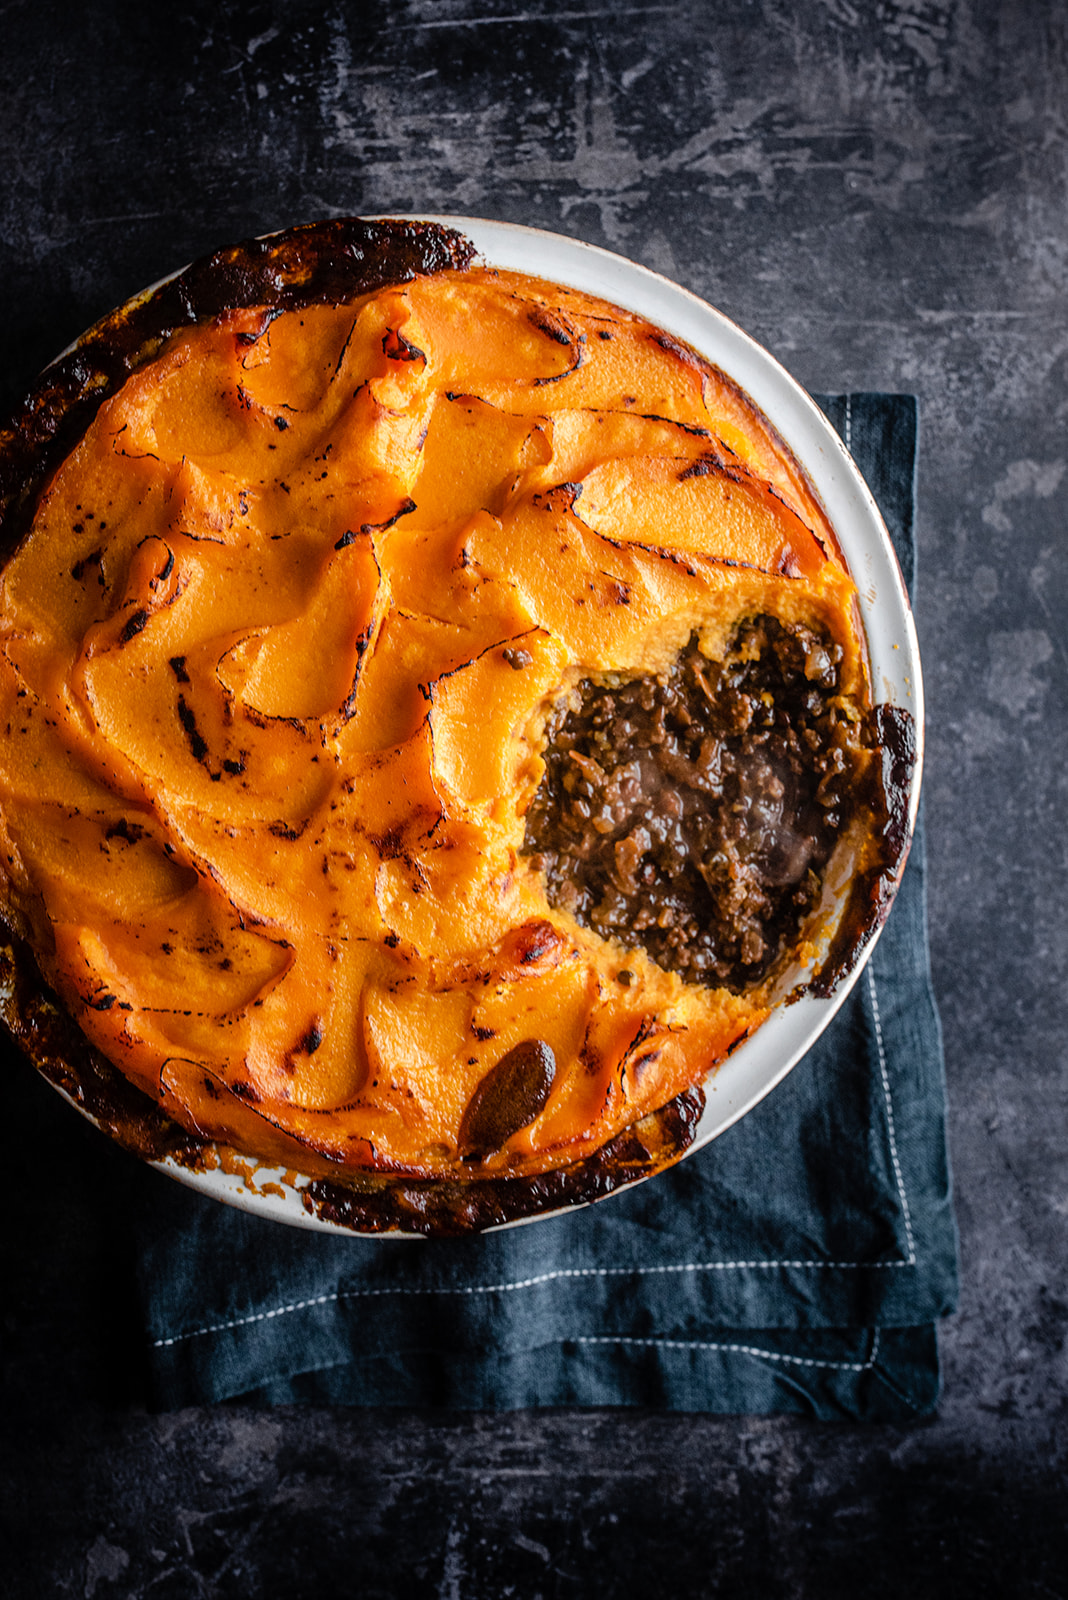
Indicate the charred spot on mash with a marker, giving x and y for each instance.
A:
(310, 1040)
(261, 719)
(268, 315)
(534, 941)
(556, 327)
(664, 552)
(165, 571)
(511, 1095)
(129, 832)
(618, 593)
(398, 348)
(717, 445)
(682, 352)
(350, 535)
(561, 495)
(389, 846)
(95, 558)
(712, 462)
(642, 1052)
(197, 743)
(532, 948)
(245, 1091)
(138, 620)
(553, 325)
(135, 624)
(283, 830)
(363, 639)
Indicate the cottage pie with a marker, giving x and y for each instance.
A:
(431, 698)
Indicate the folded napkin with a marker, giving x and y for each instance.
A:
(798, 1263)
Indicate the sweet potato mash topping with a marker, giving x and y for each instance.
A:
(277, 659)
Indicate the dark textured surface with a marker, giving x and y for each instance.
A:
(877, 193)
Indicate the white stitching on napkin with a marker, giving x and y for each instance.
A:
(849, 423)
(615, 1272)
(905, 1215)
(508, 1288)
(240, 1322)
(741, 1350)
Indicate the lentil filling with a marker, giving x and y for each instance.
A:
(693, 813)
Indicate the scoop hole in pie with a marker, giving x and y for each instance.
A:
(693, 812)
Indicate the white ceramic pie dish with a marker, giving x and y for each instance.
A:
(759, 1064)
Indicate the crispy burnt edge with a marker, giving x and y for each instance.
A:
(44, 1029)
(448, 1207)
(319, 263)
(361, 1202)
(892, 731)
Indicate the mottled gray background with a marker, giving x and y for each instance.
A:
(877, 192)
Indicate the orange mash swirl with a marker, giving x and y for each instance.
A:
(275, 658)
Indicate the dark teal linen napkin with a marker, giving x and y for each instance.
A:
(798, 1263)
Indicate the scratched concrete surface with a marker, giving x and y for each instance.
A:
(877, 192)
